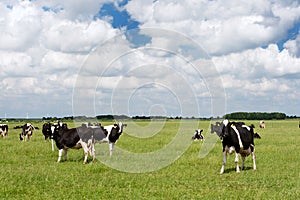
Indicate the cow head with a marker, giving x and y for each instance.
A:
(116, 131)
(198, 135)
(217, 128)
(55, 128)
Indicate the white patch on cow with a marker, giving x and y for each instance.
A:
(108, 128)
(239, 137)
(247, 127)
(231, 150)
(52, 129)
(225, 122)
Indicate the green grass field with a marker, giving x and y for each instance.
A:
(29, 169)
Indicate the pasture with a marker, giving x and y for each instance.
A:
(29, 169)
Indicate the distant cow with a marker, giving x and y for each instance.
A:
(237, 138)
(27, 131)
(4, 130)
(262, 124)
(198, 135)
(108, 134)
(75, 138)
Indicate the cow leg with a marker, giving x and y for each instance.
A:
(243, 162)
(92, 152)
(253, 158)
(224, 162)
(237, 162)
(91, 149)
(59, 154)
(52, 144)
(111, 148)
(86, 152)
(65, 154)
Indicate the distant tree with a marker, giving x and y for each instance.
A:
(255, 116)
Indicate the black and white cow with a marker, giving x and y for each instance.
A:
(4, 130)
(27, 131)
(238, 138)
(47, 132)
(108, 134)
(198, 135)
(75, 138)
(262, 124)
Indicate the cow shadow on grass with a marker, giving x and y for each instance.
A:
(233, 169)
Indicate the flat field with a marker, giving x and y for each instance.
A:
(29, 169)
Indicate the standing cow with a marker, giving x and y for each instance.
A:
(27, 131)
(75, 138)
(238, 138)
(47, 132)
(4, 130)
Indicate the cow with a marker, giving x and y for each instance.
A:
(198, 135)
(46, 130)
(238, 138)
(75, 138)
(27, 131)
(48, 134)
(4, 130)
(108, 134)
(262, 124)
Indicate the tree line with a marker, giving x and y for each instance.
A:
(256, 116)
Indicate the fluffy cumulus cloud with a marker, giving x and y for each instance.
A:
(242, 38)
(53, 51)
(43, 45)
(293, 46)
(221, 27)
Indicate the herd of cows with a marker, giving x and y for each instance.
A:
(236, 138)
(84, 136)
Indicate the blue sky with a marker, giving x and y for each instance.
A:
(151, 52)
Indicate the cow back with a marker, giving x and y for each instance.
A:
(66, 138)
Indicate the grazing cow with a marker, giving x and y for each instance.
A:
(238, 138)
(108, 134)
(75, 138)
(4, 130)
(27, 131)
(262, 124)
(198, 135)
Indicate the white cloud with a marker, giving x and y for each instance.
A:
(258, 63)
(293, 46)
(20, 26)
(46, 44)
(221, 27)
(74, 36)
